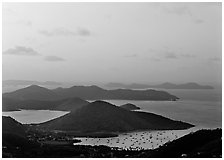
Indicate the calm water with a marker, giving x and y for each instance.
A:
(34, 116)
(202, 108)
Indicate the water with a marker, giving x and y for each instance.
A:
(138, 140)
(34, 116)
(202, 108)
(200, 113)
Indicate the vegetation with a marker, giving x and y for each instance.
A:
(100, 116)
(42, 144)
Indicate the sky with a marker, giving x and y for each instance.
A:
(112, 42)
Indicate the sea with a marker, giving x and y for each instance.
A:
(203, 108)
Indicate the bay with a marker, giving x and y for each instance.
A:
(203, 108)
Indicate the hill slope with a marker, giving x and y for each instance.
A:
(32, 92)
(9, 104)
(71, 104)
(87, 93)
(9, 125)
(14, 139)
(101, 116)
(203, 143)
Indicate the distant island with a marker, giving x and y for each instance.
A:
(35, 92)
(28, 82)
(69, 104)
(166, 85)
(129, 106)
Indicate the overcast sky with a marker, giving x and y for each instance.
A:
(112, 42)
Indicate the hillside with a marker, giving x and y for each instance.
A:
(32, 92)
(9, 125)
(88, 93)
(71, 104)
(101, 116)
(9, 104)
(14, 139)
(203, 144)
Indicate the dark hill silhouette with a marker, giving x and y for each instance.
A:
(71, 104)
(84, 92)
(88, 93)
(10, 125)
(68, 104)
(97, 93)
(101, 116)
(14, 138)
(129, 106)
(33, 92)
(9, 104)
(203, 143)
(166, 85)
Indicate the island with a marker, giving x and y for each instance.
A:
(167, 85)
(130, 106)
(35, 92)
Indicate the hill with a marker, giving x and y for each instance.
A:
(32, 92)
(203, 144)
(88, 93)
(129, 106)
(14, 139)
(9, 104)
(183, 86)
(166, 85)
(10, 125)
(101, 116)
(71, 104)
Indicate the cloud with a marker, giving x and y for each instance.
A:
(198, 21)
(131, 56)
(162, 53)
(182, 10)
(188, 55)
(170, 55)
(155, 59)
(216, 59)
(21, 51)
(65, 32)
(53, 58)
(178, 10)
(25, 23)
(83, 32)
(7, 11)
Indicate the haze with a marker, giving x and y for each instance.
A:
(113, 42)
